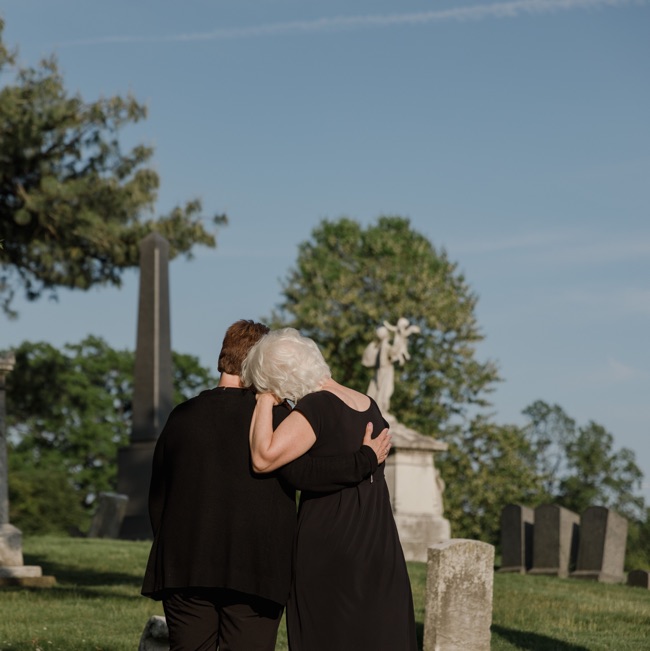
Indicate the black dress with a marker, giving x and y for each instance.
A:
(350, 590)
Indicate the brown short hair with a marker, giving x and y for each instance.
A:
(240, 337)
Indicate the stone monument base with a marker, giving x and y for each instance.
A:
(25, 576)
(418, 532)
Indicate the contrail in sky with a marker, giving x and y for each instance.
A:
(511, 9)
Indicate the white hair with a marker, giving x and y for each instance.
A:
(285, 363)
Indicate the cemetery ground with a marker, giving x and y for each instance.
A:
(96, 605)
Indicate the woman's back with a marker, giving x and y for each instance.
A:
(351, 589)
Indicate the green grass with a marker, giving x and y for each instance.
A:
(96, 605)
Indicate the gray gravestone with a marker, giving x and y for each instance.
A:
(153, 389)
(517, 523)
(109, 515)
(555, 540)
(639, 579)
(458, 610)
(601, 556)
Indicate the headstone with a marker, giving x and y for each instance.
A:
(601, 555)
(517, 523)
(458, 607)
(639, 579)
(416, 490)
(12, 570)
(555, 540)
(153, 389)
(107, 521)
(155, 636)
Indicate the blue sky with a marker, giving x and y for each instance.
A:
(514, 134)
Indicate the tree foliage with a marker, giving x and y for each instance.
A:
(73, 204)
(348, 280)
(486, 467)
(68, 412)
(579, 465)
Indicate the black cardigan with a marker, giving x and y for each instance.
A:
(216, 523)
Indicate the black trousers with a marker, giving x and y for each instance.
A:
(206, 619)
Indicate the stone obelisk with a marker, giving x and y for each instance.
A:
(153, 388)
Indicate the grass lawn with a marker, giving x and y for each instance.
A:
(96, 605)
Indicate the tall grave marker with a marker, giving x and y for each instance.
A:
(601, 554)
(153, 388)
(517, 526)
(555, 540)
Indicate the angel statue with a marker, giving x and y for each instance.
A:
(403, 330)
(382, 354)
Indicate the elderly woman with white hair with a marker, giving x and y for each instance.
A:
(351, 589)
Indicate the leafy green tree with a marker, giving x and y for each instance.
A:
(44, 500)
(348, 280)
(73, 205)
(599, 474)
(549, 431)
(68, 412)
(486, 467)
(580, 466)
(638, 544)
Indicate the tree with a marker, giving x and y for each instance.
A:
(549, 432)
(72, 203)
(348, 280)
(487, 467)
(579, 465)
(598, 474)
(68, 412)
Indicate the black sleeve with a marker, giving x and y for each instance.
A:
(326, 474)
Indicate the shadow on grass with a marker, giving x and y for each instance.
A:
(84, 576)
(534, 641)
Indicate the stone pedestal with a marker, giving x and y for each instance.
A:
(458, 611)
(601, 555)
(517, 524)
(555, 540)
(415, 489)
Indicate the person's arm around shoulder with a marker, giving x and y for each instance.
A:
(272, 449)
(332, 473)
